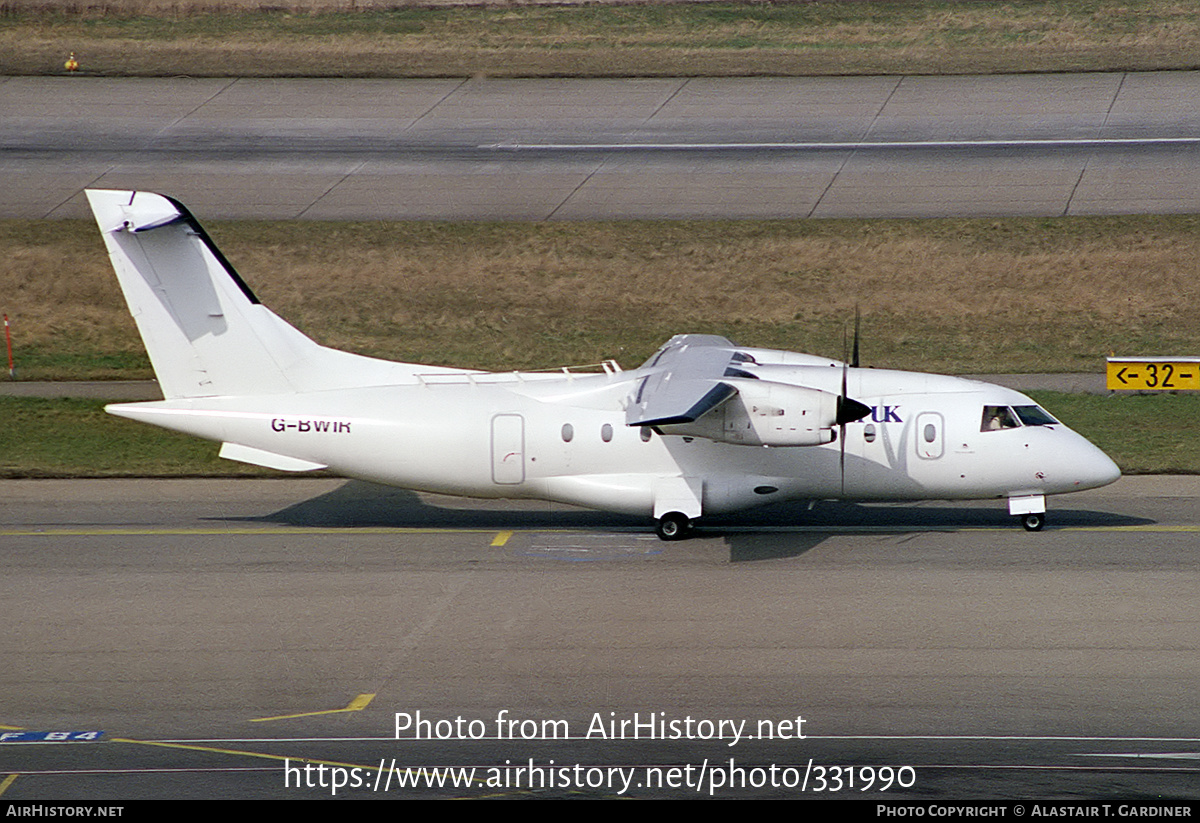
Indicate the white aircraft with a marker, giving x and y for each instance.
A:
(703, 427)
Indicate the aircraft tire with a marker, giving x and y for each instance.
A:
(1033, 522)
(673, 526)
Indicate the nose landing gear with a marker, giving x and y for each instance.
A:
(1031, 508)
(1033, 522)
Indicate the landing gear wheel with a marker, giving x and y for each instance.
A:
(1033, 522)
(673, 526)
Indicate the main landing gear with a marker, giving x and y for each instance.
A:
(673, 526)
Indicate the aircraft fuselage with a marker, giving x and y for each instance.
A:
(564, 438)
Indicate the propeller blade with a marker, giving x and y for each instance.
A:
(841, 403)
(842, 456)
(854, 356)
(848, 410)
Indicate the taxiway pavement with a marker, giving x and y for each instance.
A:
(212, 629)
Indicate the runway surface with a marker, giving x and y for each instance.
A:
(581, 149)
(213, 629)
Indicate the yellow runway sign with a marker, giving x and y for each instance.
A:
(1152, 374)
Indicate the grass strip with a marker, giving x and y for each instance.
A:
(269, 38)
(950, 296)
(65, 437)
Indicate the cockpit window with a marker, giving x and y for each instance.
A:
(998, 417)
(1004, 417)
(1034, 416)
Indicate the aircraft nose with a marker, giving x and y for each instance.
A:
(1095, 468)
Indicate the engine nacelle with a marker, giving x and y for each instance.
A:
(763, 413)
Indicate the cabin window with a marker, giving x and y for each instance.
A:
(646, 432)
(606, 432)
(930, 433)
(869, 432)
(996, 418)
(568, 432)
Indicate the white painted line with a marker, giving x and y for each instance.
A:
(1082, 142)
(809, 737)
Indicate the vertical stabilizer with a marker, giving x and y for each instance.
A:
(205, 331)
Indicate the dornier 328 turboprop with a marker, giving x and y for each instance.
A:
(703, 427)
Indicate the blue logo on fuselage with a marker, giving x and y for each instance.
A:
(885, 414)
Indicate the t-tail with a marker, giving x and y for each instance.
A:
(206, 333)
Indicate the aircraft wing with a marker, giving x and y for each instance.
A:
(685, 381)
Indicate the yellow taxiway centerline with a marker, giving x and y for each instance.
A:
(356, 705)
(241, 752)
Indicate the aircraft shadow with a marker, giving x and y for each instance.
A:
(790, 530)
(362, 504)
(775, 532)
